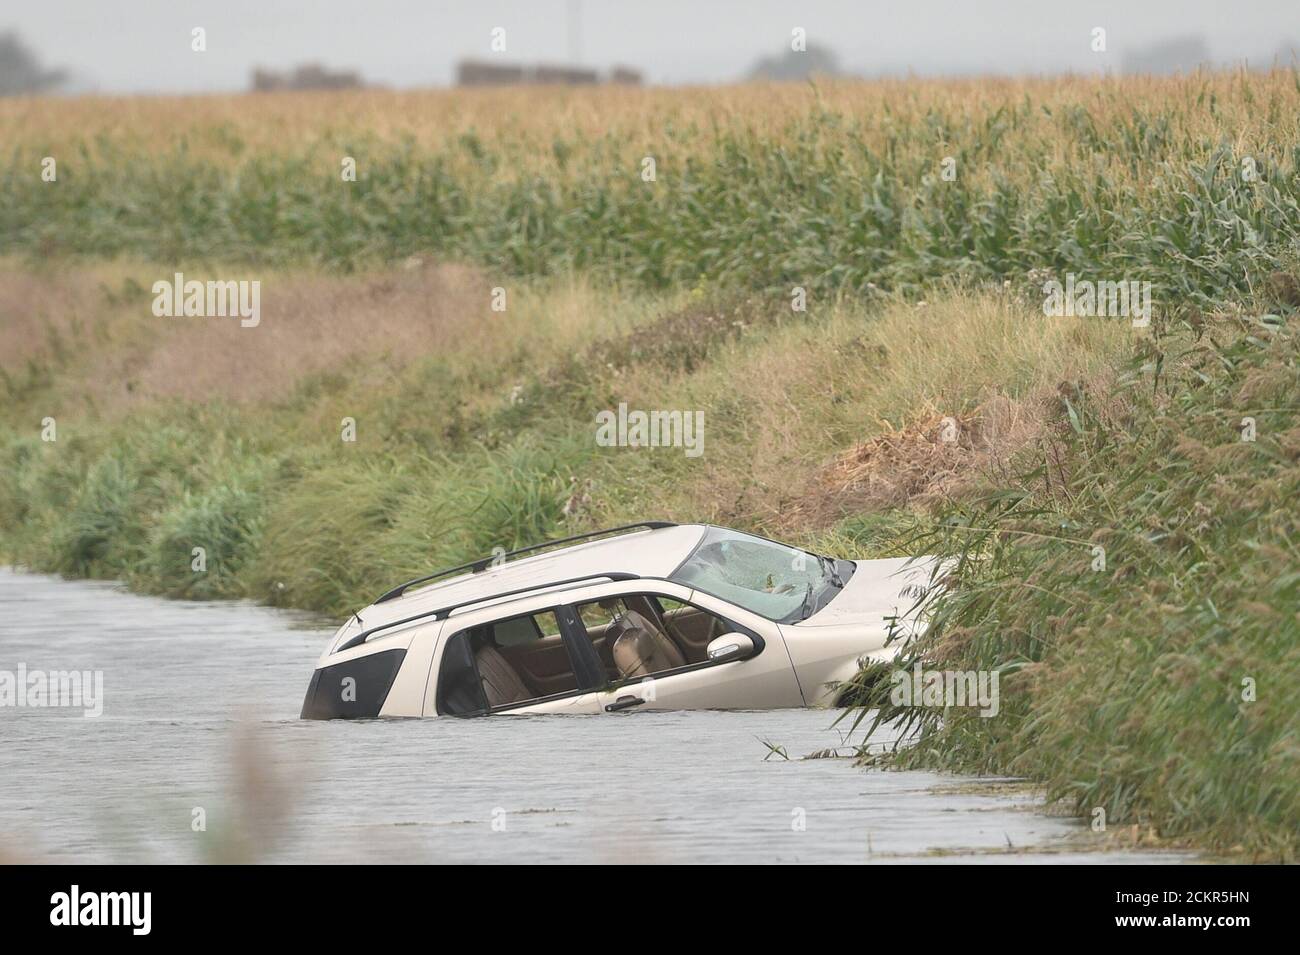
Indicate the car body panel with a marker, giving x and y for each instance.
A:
(763, 682)
(410, 691)
(878, 600)
(589, 703)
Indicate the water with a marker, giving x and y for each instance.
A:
(200, 725)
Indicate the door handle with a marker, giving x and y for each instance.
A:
(623, 703)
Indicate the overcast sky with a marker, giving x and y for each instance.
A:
(144, 45)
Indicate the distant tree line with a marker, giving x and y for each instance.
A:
(20, 70)
(310, 76)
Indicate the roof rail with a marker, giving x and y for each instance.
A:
(443, 612)
(477, 566)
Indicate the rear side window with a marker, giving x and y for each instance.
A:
(519, 631)
(354, 689)
(504, 664)
(459, 692)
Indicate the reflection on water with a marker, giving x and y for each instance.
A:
(200, 731)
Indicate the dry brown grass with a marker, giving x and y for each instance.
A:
(312, 324)
(94, 325)
(101, 317)
(38, 310)
(930, 460)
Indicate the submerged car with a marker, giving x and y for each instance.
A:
(645, 616)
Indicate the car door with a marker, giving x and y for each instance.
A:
(686, 679)
(527, 658)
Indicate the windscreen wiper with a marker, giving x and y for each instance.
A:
(806, 607)
(831, 570)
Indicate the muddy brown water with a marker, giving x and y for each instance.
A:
(199, 755)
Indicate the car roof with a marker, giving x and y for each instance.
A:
(655, 552)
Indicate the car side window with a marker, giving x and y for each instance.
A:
(639, 635)
(459, 691)
(505, 663)
(693, 629)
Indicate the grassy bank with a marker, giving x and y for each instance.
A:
(475, 429)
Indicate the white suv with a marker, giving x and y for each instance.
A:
(645, 616)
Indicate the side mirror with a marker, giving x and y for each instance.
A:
(731, 646)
